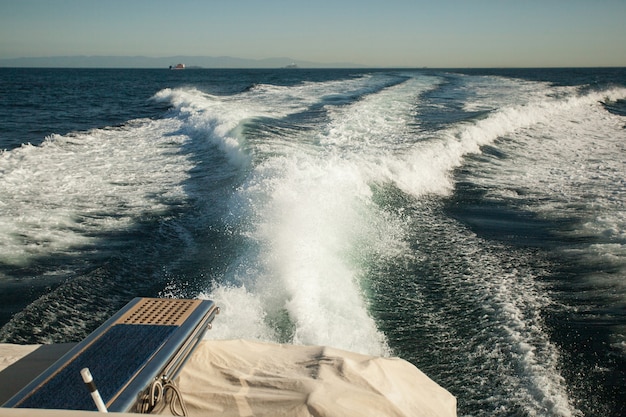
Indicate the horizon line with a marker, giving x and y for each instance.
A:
(263, 63)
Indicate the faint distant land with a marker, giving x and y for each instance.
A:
(82, 61)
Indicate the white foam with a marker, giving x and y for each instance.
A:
(570, 160)
(427, 167)
(64, 193)
(312, 222)
(309, 212)
(370, 137)
(242, 315)
(212, 117)
(543, 387)
(563, 160)
(222, 118)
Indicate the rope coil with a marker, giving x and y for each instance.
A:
(164, 389)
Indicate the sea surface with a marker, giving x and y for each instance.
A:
(472, 222)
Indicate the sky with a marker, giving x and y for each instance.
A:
(389, 33)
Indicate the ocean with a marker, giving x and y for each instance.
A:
(471, 222)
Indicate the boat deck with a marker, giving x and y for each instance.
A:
(148, 339)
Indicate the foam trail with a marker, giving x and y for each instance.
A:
(590, 187)
(62, 194)
(210, 116)
(313, 224)
(427, 167)
(222, 118)
(536, 138)
(309, 238)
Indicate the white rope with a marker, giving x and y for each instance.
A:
(159, 391)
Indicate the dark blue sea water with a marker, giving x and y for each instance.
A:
(472, 222)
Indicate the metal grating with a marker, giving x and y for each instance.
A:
(159, 311)
(150, 338)
(113, 360)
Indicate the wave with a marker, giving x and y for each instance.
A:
(71, 189)
(309, 213)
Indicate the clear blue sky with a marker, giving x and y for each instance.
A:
(436, 33)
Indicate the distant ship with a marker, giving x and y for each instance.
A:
(292, 65)
(178, 67)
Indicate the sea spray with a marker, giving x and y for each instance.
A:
(311, 229)
(312, 224)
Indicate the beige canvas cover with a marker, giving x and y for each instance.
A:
(248, 378)
(233, 378)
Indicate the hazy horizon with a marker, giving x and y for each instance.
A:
(209, 62)
(448, 34)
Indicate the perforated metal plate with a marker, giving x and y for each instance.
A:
(159, 311)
